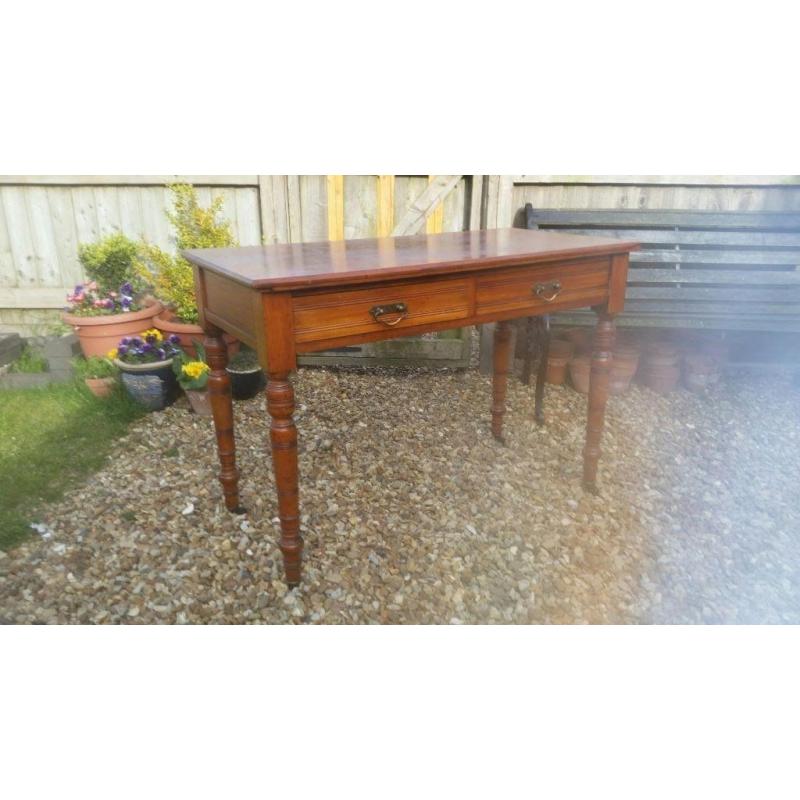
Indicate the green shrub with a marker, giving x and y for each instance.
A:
(110, 262)
(245, 360)
(195, 227)
(94, 367)
(30, 360)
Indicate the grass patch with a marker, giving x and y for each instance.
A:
(50, 439)
(30, 361)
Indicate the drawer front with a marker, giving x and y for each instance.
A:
(534, 289)
(330, 315)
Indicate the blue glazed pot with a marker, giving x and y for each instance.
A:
(153, 386)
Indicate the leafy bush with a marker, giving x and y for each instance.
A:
(195, 227)
(246, 360)
(94, 367)
(30, 360)
(110, 262)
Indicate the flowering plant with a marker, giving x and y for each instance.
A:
(195, 227)
(86, 300)
(192, 373)
(146, 348)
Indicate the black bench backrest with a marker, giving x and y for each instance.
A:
(717, 269)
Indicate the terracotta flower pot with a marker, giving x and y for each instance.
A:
(100, 387)
(581, 339)
(152, 385)
(558, 356)
(579, 371)
(716, 349)
(661, 354)
(699, 372)
(561, 348)
(187, 331)
(661, 378)
(200, 402)
(626, 360)
(98, 335)
(623, 367)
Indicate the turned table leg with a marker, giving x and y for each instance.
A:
(543, 324)
(602, 348)
(283, 438)
(502, 358)
(219, 390)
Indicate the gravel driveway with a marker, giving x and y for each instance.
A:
(413, 514)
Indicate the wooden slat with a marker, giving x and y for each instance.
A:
(241, 207)
(776, 220)
(385, 205)
(273, 204)
(667, 256)
(435, 220)
(413, 218)
(694, 292)
(52, 297)
(718, 322)
(8, 273)
(295, 213)
(475, 193)
(128, 180)
(314, 207)
(732, 308)
(19, 236)
(663, 180)
(360, 206)
(682, 237)
(335, 207)
(788, 278)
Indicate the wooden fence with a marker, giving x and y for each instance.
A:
(44, 218)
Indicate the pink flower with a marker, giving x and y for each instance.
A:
(99, 303)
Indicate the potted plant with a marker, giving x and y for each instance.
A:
(98, 373)
(247, 377)
(112, 303)
(173, 276)
(145, 362)
(192, 375)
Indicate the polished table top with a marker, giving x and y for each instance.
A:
(282, 267)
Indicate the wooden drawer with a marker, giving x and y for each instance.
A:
(579, 284)
(329, 315)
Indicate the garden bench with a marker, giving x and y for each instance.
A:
(715, 270)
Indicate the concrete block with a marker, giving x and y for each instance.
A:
(10, 348)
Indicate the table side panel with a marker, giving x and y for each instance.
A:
(231, 306)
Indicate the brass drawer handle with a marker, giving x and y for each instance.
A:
(548, 291)
(393, 308)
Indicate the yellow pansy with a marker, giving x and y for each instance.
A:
(112, 353)
(155, 333)
(194, 369)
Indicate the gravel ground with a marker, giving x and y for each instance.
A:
(413, 514)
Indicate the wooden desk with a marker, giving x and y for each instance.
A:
(287, 299)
